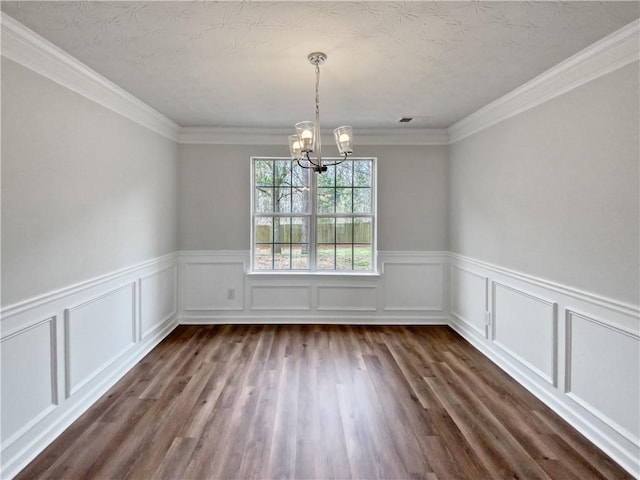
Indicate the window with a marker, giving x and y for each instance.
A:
(306, 221)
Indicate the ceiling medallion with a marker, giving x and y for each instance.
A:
(307, 137)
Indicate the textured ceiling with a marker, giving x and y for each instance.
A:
(243, 64)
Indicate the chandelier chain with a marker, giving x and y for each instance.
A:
(318, 138)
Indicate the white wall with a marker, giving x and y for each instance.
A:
(89, 265)
(544, 232)
(214, 182)
(553, 192)
(84, 190)
(214, 224)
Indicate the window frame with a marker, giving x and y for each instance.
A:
(313, 215)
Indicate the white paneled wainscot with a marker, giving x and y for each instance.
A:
(217, 287)
(577, 352)
(61, 351)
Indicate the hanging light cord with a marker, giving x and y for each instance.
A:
(318, 138)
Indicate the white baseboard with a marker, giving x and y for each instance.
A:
(313, 320)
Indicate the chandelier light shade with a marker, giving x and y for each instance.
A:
(307, 138)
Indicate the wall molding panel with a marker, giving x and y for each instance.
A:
(158, 299)
(347, 298)
(575, 351)
(292, 297)
(98, 332)
(33, 347)
(284, 297)
(470, 298)
(524, 326)
(589, 356)
(53, 370)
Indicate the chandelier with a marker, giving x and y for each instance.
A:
(307, 138)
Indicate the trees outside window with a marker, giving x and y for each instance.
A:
(306, 221)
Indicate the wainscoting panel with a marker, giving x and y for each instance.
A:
(598, 359)
(585, 367)
(280, 297)
(413, 286)
(54, 369)
(410, 288)
(206, 285)
(524, 326)
(97, 333)
(469, 298)
(347, 298)
(158, 299)
(28, 379)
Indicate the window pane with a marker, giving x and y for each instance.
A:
(344, 256)
(326, 231)
(300, 230)
(283, 199)
(281, 256)
(325, 257)
(362, 200)
(326, 201)
(328, 178)
(263, 230)
(344, 174)
(362, 258)
(344, 200)
(300, 200)
(282, 174)
(362, 171)
(263, 172)
(264, 200)
(299, 176)
(362, 230)
(263, 257)
(344, 230)
(282, 230)
(300, 256)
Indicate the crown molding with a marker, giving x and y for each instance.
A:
(270, 136)
(30, 50)
(605, 56)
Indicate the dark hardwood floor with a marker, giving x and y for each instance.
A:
(319, 402)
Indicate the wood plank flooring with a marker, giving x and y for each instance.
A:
(319, 402)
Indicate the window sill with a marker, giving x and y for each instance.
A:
(302, 273)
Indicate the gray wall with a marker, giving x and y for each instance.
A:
(553, 192)
(214, 195)
(85, 191)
